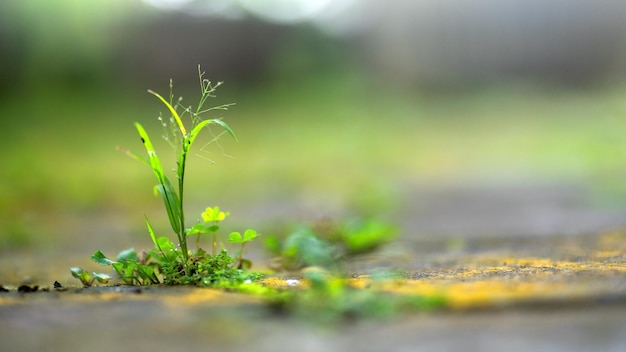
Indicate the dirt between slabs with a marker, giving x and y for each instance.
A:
(552, 293)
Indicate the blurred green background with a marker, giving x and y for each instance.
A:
(342, 107)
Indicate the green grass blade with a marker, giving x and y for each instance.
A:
(196, 130)
(154, 161)
(174, 205)
(170, 198)
(226, 127)
(173, 111)
(152, 234)
(171, 205)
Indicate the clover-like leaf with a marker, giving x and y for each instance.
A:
(199, 229)
(235, 237)
(195, 230)
(249, 235)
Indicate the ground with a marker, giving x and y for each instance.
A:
(525, 286)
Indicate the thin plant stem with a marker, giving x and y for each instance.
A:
(241, 253)
(182, 236)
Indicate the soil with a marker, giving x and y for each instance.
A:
(559, 286)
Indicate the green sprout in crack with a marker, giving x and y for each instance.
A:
(89, 279)
(211, 218)
(248, 236)
(169, 262)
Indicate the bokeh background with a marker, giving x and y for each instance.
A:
(424, 112)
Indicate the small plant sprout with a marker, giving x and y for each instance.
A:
(236, 237)
(174, 263)
(211, 218)
(129, 267)
(88, 279)
(173, 198)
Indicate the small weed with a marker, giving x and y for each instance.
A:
(327, 244)
(130, 268)
(211, 218)
(177, 264)
(331, 299)
(88, 279)
(248, 236)
(361, 236)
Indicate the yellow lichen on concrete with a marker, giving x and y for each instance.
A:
(477, 281)
(192, 297)
(519, 280)
(284, 283)
(603, 254)
(487, 293)
(541, 262)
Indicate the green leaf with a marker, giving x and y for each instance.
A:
(146, 273)
(152, 234)
(249, 235)
(235, 237)
(273, 245)
(102, 278)
(79, 273)
(155, 162)
(304, 248)
(165, 244)
(226, 127)
(127, 255)
(195, 230)
(199, 229)
(126, 271)
(76, 272)
(197, 128)
(170, 197)
(173, 111)
(172, 203)
(101, 259)
(361, 236)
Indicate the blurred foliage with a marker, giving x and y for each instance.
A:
(313, 142)
(59, 43)
(315, 125)
(330, 301)
(329, 243)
